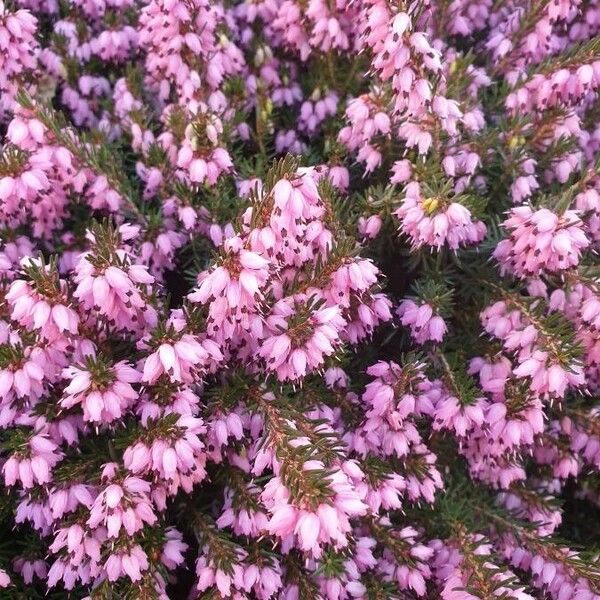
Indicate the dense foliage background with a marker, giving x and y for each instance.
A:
(300, 299)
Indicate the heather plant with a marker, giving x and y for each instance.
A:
(300, 299)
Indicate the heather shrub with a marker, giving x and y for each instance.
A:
(300, 299)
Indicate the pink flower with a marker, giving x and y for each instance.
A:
(124, 505)
(540, 241)
(176, 455)
(435, 221)
(103, 391)
(308, 334)
(423, 321)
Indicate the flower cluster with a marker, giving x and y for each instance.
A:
(299, 299)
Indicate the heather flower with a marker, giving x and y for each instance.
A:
(210, 354)
(540, 241)
(171, 450)
(541, 363)
(103, 391)
(19, 52)
(369, 228)
(425, 324)
(178, 358)
(29, 568)
(436, 221)
(300, 333)
(113, 288)
(130, 563)
(33, 463)
(200, 156)
(328, 523)
(233, 288)
(122, 505)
